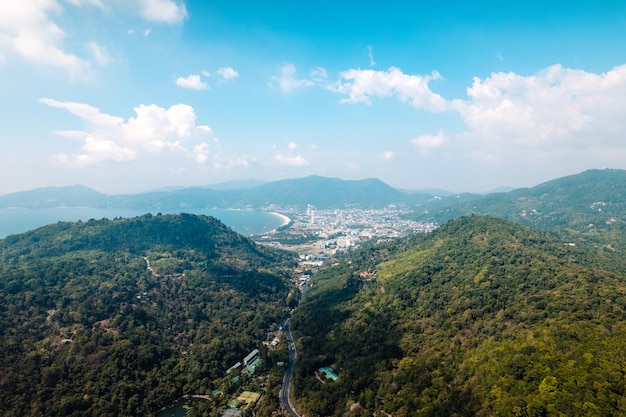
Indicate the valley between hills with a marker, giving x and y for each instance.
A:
(507, 304)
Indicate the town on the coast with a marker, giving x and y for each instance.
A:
(328, 231)
(317, 235)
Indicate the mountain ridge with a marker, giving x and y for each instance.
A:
(322, 192)
(591, 200)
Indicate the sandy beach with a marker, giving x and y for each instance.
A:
(285, 219)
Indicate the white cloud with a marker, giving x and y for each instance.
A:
(201, 152)
(99, 54)
(293, 146)
(361, 85)
(244, 161)
(147, 32)
(206, 130)
(287, 81)
(153, 130)
(370, 54)
(507, 114)
(206, 73)
(227, 73)
(191, 81)
(319, 75)
(162, 11)
(84, 111)
(97, 3)
(427, 143)
(291, 160)
(387, 156)
(27, 29)
(520, 119)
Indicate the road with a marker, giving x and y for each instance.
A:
(284, 390)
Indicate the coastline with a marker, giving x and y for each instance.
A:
(285, 220)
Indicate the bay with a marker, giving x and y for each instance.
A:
(19, 220)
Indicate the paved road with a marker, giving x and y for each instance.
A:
(284, 390)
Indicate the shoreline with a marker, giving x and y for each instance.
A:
(285, 220)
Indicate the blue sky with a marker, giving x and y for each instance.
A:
(133, 95)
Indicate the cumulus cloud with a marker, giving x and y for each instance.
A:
(361, 85)
(27, 29)
(293, 146)
(387, 156)
(427, 143)
(153, 130)
(291, 160)
(511, 117)
(201, 153)
(162, 11)
(227, 73)
(97, 3)
(511, 114)
(287, 80)
(192, 81)
(206, 130)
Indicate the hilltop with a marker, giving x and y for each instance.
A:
(481, 317)
(320, 192)
(70, 196)
(119, 317)
(592, 200)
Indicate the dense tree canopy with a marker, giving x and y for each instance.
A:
(120, 317)
(481, 317)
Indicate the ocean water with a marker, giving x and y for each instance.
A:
(19, 220)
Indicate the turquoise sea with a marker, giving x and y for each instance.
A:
(19, 220)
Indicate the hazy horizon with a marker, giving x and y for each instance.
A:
(128, 97)
(178, 187)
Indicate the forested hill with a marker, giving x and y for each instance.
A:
(120, 317)
(480, 318)
(319, 191)
(592, 200)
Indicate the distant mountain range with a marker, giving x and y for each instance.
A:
(482, 317)
(320, 192)
(589, 200)
(70, 196)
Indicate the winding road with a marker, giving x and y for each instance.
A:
(284, 390)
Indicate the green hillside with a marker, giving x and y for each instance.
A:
(120, 317)
(71, 196)
(594, 200)
(320, 192)
(480, 318)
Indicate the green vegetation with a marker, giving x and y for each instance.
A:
(479, 318)
(319, 191)
(482, 317)
(594, 200)
(120, 317)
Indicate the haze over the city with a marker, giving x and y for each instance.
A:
(128, 96)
